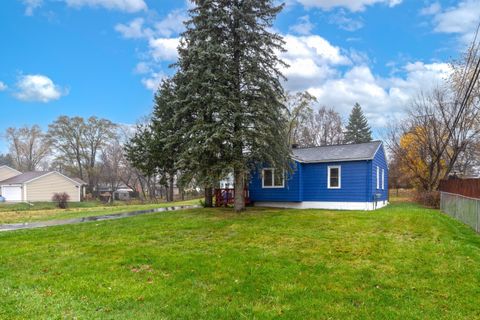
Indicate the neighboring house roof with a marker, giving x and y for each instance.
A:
(7, 167)
(342, 152)
(24, 177)
(33, 175)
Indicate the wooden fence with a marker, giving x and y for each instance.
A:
(464, 187)
(460, 199)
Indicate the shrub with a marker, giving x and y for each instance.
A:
(428, 198)
(61, 199)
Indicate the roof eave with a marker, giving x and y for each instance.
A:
(332, 160)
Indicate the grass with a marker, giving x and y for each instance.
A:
(402, 195)
(6, 207)
(400, 262)
(47, 211)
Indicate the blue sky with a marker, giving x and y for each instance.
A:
(105, 57)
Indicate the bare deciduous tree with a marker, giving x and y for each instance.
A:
(78, 143)
(308, 128)
(29, 146)
(328, 127)
(441, 132)
(430, 145)
(67, 136)
(111, 165)
(300, 107)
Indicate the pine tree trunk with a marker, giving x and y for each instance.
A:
(239, 176)
(170, 188)
(239, 204)
(208, 197)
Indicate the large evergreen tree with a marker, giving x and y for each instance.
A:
(164, 130)
(202, 95)
(229, 91)
(357, 130)
(155, 144)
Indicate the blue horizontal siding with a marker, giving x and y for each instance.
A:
(379, 160)
(353, 182)
(290, 193)
(308, 182)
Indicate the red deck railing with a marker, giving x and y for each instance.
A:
(226, 197)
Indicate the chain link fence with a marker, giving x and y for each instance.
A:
(461, 208)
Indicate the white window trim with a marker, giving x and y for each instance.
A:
(273, 186)
(339, 177)
(383, 179)
(378, 177)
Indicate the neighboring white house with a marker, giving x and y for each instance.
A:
(227, 182)
(38, 186)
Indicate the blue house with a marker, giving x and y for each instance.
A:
(346, 177)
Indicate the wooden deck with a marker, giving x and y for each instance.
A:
(226, 197)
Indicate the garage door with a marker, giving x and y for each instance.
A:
(12, 193)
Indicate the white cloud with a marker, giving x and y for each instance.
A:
(314, 47)
(31, 5)
(3, 86)
(352, 5)
(339, 78)
(379, 97)
(162, 36)
(303, 26)
(142, 68)
(153, 81)
(172, 24)
(311, 58)
(164, 49)
(134, 29)
(461, 19)
(121, 5)
(36, 87)
(344, 22)
(434, 8)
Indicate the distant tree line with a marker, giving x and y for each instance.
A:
(90, 149)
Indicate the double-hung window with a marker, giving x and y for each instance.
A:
(334, 177)
(383, 179)
(272, 178)
(378, 177)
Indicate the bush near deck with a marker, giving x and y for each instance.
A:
(400, 262)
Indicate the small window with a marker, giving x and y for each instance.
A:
(378, 177)
(334, 177)
(383, 179)
(271, 178)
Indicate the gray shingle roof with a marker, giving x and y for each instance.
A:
(24, 177)
(343, 152)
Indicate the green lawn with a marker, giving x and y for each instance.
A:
(47, 211)
(5, 207)
(400, 262)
